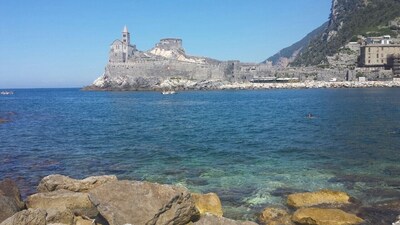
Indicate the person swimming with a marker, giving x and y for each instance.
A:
(310, 115)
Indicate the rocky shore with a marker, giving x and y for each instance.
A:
(183, 84)
(105, 200)
(314, 84)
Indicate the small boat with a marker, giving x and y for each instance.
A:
(168, 92)
(6, 93)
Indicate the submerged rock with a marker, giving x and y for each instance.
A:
(209, 219)
(27, 217)
(380, 213)
(275, 216)
(57, 182)
(308, 199)
(208, 203)
(134, 202)
(10, 199)
(397, 222)
(316, 216)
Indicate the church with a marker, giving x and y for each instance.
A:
(122, 50)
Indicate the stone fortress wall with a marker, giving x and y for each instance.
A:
(167, 60)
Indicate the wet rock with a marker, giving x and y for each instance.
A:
(197, 181)
(10, 199)
(392, 171)
(308, 199)
(353, 178)
(135, 202)
(398, 221)
(209, 219)
(382, 193)
(316, 216)
(58, 182)
(10, 189)
(380, 213)
(275, 216)
(234, 196)
(284, 192)
(78, 203)
(27, 217)
(208, 203)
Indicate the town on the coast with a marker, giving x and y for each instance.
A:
(367, 62)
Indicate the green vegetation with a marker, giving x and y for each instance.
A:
(358, 19)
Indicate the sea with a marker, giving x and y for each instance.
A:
(251, 147)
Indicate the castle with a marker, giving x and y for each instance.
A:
(131, 69)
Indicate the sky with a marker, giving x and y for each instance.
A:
(65, 43)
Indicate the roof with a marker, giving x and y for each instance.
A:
(381, 45)
(125, 29)
(116, 40)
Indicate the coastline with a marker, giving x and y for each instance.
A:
(107, 200)
(314, 85)
(183, 85)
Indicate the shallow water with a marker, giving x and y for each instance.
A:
(250, 147)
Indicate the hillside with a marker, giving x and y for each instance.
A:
(292, 51)
(348, 19)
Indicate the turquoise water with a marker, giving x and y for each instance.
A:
(250, 147)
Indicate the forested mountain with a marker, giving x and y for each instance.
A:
(348, 19)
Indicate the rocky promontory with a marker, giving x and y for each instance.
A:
(105, 200)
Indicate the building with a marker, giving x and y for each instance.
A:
(170, 43)
(378, 55)
(395, 63)
(384, 40)
(378, 52)
(122, 50)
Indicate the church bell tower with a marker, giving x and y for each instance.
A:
(126, 37)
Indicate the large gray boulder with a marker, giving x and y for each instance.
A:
(208, 219)
(134, 202)
(27, 217)
(10, 199)
(58, 182)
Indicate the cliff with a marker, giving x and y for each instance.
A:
(348, 19)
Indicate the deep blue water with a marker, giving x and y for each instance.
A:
(250, 147)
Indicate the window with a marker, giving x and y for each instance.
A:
(377, 55)
(369, 61)
(369, 49)
(124, 35)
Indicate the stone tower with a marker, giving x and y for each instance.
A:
(126, 37)
(122, 50)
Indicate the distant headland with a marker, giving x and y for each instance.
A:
(167, 67)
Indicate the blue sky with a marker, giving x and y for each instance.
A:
(48, 43)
